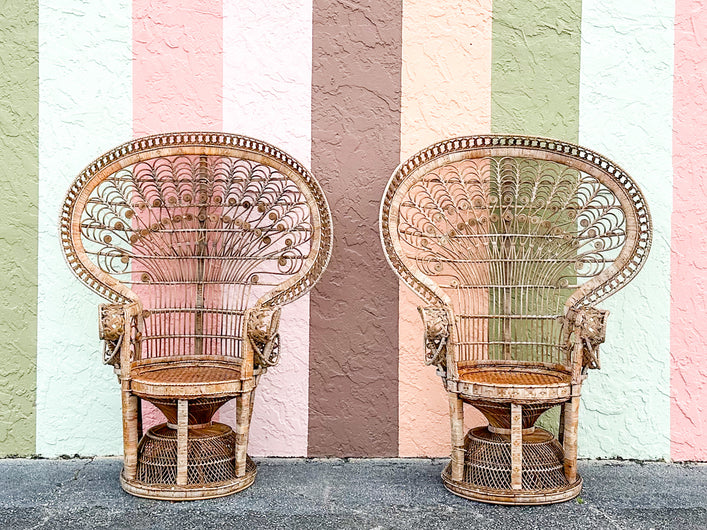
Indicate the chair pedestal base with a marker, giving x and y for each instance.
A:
(210, 465)
(487, 470)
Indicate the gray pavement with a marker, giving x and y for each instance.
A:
(365, 494)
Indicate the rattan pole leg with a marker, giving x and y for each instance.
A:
(252, 400)
(516, 447)
(243, 409)
(456, 416)
(182, 434)
(140, 430)
(130, 434)
(561, 431)
(570, 439)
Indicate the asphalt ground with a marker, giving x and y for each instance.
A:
(361, 494)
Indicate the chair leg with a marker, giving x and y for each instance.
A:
(516, 446)
(243, 411)
(456, 417)
(561, 430)
(252, 400)
(130, 433)
(569, 443)
(182, 434)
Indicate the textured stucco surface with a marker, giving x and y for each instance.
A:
(18, 218)
(535, 70)
(267, 94)
(446, 92)
(353, 393)
(177, 51)
(84, 109)
(625, 114)
(688, 345)
(360, 85)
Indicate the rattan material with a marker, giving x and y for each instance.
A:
(187, 375)
(487, 462)
(511, 242)
(491, 376)
(210, 456)
(187, 379)
(197, 240)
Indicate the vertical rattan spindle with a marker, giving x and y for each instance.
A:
(516, 446)
(201, 251)
(182, 441)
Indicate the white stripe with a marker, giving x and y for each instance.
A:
(85, 108)
(267, 76)
(626, 114)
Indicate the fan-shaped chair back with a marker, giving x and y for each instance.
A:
(196, 227)
(512, 233)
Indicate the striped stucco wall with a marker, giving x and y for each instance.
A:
(350, 89)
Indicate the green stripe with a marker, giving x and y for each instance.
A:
(535, 78)
(19, 100)
(535, 70)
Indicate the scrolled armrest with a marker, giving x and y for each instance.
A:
(437, 333)
(115, 323)
(590, 331)
(262, 330)
(112, 328)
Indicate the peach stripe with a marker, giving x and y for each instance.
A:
(177, 75)
(446, 91)
(688, 311)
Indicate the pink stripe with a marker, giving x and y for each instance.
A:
(688, 311)
(177, 76)
(177, 68)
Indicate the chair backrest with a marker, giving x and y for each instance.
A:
(512, 233)
(196, 227)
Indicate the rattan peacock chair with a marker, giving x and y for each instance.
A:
(512, 241)
(197, 240)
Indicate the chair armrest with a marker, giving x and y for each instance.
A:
(437, 336)
(262, 330)
(589, 326)
(115, 322)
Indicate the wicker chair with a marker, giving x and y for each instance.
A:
(197, 240)
(512, 241)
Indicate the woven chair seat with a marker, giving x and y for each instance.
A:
(529, 384)
(187, 379)
(516, 378)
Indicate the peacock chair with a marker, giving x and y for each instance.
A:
(511, 242)
(197, 240)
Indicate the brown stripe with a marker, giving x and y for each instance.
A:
(353, 382)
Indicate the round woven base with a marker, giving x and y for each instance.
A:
(511, 497)
(487, 470)
(210, 465)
